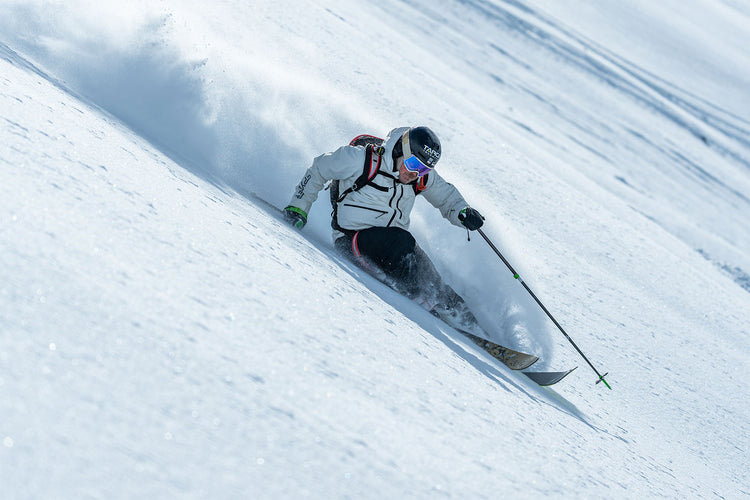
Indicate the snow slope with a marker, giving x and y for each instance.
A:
(162, 334)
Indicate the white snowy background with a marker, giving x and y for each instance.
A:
(164, 335)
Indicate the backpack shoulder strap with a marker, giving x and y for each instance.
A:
(374, 151)
(373, 159)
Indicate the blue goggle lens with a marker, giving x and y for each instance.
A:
(414, 164)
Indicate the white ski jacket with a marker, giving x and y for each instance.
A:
(369, 206)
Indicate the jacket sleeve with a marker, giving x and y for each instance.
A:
(345, 162)
(444, 196)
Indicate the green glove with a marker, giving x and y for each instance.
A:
(295, 216)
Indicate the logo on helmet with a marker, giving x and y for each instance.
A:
(434, 153)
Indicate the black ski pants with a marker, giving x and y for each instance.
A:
(394, 252)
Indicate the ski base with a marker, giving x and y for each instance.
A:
(548, 378)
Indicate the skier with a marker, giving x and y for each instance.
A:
(370, 219)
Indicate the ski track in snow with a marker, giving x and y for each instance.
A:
(159, 325)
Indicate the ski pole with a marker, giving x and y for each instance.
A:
(516, 276)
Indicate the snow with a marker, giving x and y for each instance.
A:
(163, 334)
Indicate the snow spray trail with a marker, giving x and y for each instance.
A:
(123, 66)
(229, 119)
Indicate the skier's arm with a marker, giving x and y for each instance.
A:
(340, 164)
(444, 196)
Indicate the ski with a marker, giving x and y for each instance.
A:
(548, 378)
(515, 360)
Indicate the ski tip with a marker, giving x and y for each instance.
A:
(548, 378)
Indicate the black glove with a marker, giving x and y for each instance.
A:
(295, 216)
(470, 218)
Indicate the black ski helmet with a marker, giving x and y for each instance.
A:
(422, 143)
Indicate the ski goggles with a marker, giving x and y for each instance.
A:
(414, 164)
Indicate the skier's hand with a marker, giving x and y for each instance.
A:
(295, 216)
(471, 218)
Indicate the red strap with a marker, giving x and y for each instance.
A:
(421, 184)
(375, 160)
